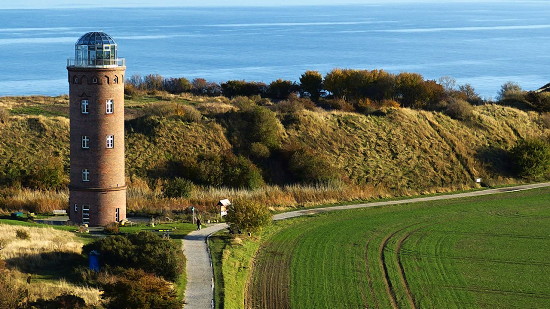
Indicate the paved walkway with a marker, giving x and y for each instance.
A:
(199, 292)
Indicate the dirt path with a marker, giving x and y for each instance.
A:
(199, 290)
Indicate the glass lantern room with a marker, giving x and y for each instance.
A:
(96, 49)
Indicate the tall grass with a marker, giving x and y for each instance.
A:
(45, 250)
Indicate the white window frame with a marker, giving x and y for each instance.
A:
(109, 106)
(75, 207)
(110, 141)
(84, 106)
(85, 175)
(85, 214)
(85, 142)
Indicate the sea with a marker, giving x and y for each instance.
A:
(482, 44)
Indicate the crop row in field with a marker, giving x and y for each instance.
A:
(488, 252)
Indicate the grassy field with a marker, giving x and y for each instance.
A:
(484, 252)
(48, 256)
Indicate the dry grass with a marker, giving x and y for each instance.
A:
(38, 201)
(45, 249)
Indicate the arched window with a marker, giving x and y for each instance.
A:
(106, 79)
(94, 80)
(75, 79)
(115, 80)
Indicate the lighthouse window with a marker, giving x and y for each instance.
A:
(110, 141)
(109, 107)
(85, 214)
(75, 208)
(94, 80)
(84, 106)
(85, 175)
(85, 142)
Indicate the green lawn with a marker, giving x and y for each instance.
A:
(483, 252)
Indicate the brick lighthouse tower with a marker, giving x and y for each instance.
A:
(96, 97)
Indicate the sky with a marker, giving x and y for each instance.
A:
(38, 4)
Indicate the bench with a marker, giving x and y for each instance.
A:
(61, 212)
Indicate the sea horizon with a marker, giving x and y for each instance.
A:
(483, 44)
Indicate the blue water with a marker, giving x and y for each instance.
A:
(483, 44)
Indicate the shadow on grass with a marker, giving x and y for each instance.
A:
(48, 265)
(496, 159)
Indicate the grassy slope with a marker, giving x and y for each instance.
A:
(408, 149)
(485, 252)
(414, 150)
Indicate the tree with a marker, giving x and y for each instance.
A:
(510, 91)
(531, 157)
(135, 288)
(247, 216)
(311, 84)
(281, 89)
(469, 94)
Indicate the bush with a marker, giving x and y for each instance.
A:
(4, 115)
(22, 234)
(143, 250)
(531, 158)
(247, 216)
(12, 293)
(259, 151)
(309, 168)
(539, 101)
(459, 109)
(112, 228)
(137, 289)
(177, 187)
(189, 113)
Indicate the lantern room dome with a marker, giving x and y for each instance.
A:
(96, 38)
(96, 50)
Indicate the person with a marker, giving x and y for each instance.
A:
(198, 224)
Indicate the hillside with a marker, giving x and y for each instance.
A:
(401, 152)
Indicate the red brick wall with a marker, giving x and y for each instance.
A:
(106, 166)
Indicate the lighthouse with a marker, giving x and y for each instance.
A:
(97, 189)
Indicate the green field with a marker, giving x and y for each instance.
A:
(483, 252)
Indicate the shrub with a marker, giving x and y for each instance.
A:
(459, 109)
(12, 293)
(177, 187)
(545, 119)
(137, 289)
(143, 250)
(4, 115)
(539, 101)
(187, 113)
(22, 234)
(259, 151)
(531, 158)
(309, 168)
(247, 216)
(112, 228)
